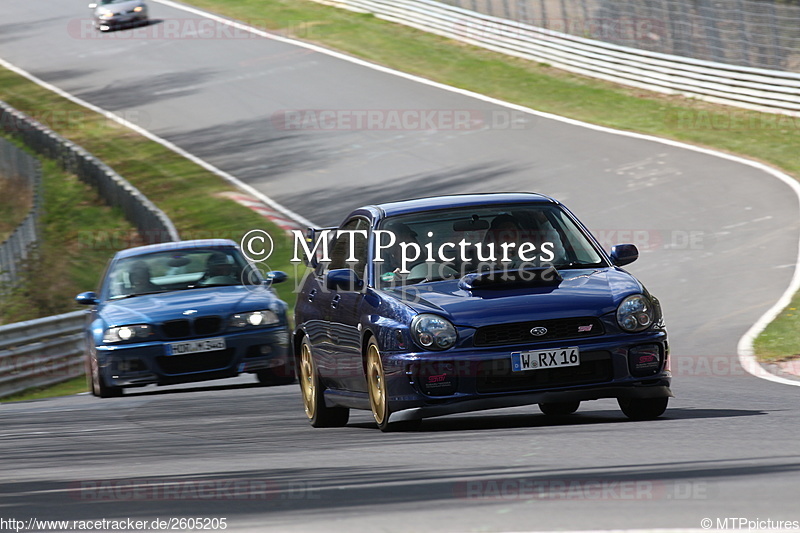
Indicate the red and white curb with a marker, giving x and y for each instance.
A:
(279, 219)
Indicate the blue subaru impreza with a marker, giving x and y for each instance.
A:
(184, 311)
(427, 307)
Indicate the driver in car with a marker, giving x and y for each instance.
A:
(139, 276)
(219, 270)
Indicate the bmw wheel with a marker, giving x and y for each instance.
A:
(99, 387)
(281, 375)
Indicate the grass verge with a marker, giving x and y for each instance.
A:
(779, 342)
(68, 388)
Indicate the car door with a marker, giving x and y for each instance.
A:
(311, 310)
(344, 307)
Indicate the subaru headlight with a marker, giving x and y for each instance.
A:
(256, 318)
(635, 313)
(433, 332)
(127, 333)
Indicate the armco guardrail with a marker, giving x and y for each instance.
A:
(153, 225)
(41, 352)
(24, 171)
(760, 89)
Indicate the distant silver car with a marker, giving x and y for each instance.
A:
(111, 14)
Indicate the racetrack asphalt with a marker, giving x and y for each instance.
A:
(719, 246)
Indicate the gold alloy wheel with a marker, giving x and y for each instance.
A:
(376, 384)
(307, 383)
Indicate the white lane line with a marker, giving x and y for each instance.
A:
(745, 345)
(163, 142)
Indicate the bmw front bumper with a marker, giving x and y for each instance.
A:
(149, 363)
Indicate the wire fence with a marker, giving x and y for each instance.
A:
(750, 33)
(20, 171)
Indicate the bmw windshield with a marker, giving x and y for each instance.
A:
(178, 270)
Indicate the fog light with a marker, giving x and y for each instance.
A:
(644, 360)
(437, 379)
(129, 365)
(266, 349)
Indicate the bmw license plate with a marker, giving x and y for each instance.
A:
(535, 360)
(203, 345)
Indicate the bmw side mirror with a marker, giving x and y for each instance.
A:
(624, 254)
(86, 298)
(344, 279)
(276, 276)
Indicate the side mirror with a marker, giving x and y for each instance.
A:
(312, 236)
(344, 279)
(276, 276)
(624, 254)
(86, 298)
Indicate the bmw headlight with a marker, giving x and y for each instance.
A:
(635, 313)
(127, 333)
(256, 318)
(433, 332)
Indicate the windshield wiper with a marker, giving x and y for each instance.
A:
(576, 265)
(124, 296)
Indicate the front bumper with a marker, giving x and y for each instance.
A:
(426, 384)
(120, 21)
(148, 363)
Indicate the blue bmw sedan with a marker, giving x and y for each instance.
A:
(184, 311)
(427, 307)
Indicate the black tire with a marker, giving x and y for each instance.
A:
(98, 384)
(87, 371)
(276, 376)
(378, 400)
(319, 415)
(559, 408)
(643, 408)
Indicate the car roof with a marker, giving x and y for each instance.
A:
(459, 200)
(176, 245)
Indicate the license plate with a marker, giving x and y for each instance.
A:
(536, 360)
(199, 346)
